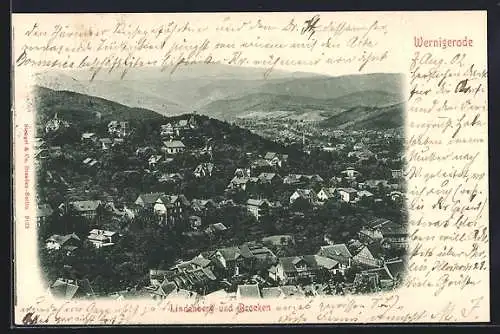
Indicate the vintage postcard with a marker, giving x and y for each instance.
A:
(250, 168)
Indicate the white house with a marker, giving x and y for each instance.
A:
(102, 238)
(326, 194)
(307, 194)
(174, 146)
(347, 194)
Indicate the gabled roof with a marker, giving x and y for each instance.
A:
(230, 253)
(316, 261)
(249, 291)
(267, 176)
(64, 288)
(306, 193)
(62, 239)
(149, 198)
(105, 140)
(67, 288)
(270, 155)
(337, 252)
(257, 202)
(329, 192)
(174, 144)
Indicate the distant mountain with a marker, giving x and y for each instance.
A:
(197, 87)
(367, 118)
(265, 105)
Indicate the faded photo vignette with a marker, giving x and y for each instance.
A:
(250, 168)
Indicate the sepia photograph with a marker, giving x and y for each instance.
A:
(218, 181)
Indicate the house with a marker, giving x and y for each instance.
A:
(89, 137)
(229, 259)
(260, 165)
(347, 194)
(203, 169)
(87, 209)
(174, 147)
(388, 275)
(202, 205)
(68, 242)
(276, 160)
(105, 143)
(305, 268)
(326, 194)
(365, 256)
(339, 253)
(396, 173)
(241, 183)
(144, 151)
(118, 141)
(256, 257)
(314, 178)
(365, 194)
(102, 238)
(350, 173)
(55, 124)
(64, 288)
(306, 194)
(170, 178)
(157, 276)
(89, 162)
(167, 130)
(258, 207)
(369, 235)
(293, 179)
(43, 212)
(148, 200)
(215, 229)
(171, 207)
(248, 291)
(242, 172)
(269, 178)
(378, 222)
(394, 235)
(119, 128)
(154, 160)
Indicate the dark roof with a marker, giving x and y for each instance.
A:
(337, 252)
(229, 253)
(62, 239)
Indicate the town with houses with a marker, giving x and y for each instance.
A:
(186, 207)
